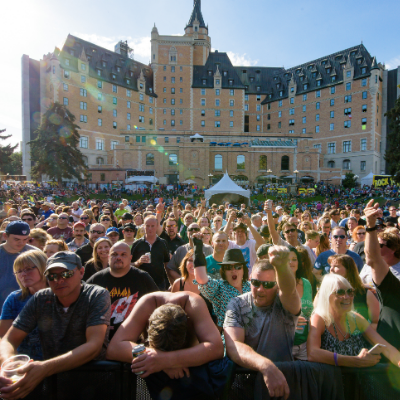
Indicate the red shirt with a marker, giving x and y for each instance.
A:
(58, 233)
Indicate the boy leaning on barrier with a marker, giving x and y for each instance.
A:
(73, 320)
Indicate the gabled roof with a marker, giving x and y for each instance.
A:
(74, 47)
(196, 14)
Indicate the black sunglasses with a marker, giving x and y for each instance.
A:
(63, 218)
(291, 230)
(342, 292)
(84, 218)
(98, 232)
(194, 230)
(106, 219)
(62, 275)
(27, 219)
(230, 267)
(382, 245)
(266, 284)
(339, 236)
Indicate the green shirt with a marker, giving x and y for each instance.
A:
(306, 311)
(119, 213)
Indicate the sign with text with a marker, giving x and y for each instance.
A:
(382, 180)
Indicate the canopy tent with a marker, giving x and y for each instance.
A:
(189, 182)
(367, 180)
(141, 179)
(227, 190)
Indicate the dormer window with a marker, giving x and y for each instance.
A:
(305, 86)
(319, 82)
(359, 61)
(88, 58)
(363, 70)
(278, 85)
(333, 78)
(99, 72)
(113, 76)
(71, 52)
(328, 70)
(104, 64)
(258, 88)
(209, 73)
(128, 81)
(251, 79)
(230, 82)
(150, 90)
(323, 62)
(281, 93)
(298, 71)
(131, 73)
(66, 61)
(204, 81)
(275, 78)
(196, 28)
(301, 78)
(141, 86)
(118, 69)
(217, 82)
(94, 50)
(314, 75)
(225, 73)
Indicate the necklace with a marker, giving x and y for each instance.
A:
(337, 326)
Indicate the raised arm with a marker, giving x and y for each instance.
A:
(159, 214)
(200, 263)
(231, 218)
(257, 237)
(271, 223)
(279, 258)
(373, 258)
(175, 208)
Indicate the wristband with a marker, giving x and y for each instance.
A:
(374, 228)
(199, 259)
(335, 359)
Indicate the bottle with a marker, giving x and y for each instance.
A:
(138, 351)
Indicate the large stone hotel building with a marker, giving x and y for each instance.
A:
(191, 114)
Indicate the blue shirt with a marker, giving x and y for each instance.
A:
(48, 213)
(11, 308)
(321, 263)
(213, 267)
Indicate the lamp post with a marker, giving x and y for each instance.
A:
(210, 175)
(296, 172)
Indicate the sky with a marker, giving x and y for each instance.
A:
(252, 32)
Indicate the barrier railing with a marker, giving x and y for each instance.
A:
(107, 380)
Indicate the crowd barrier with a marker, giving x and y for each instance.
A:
(107, 380)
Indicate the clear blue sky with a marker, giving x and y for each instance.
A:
(263, 32)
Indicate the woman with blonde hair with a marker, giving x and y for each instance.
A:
(89, 213)
(99, 261)
(29, 270)
(339, 336)
(207, 235)
(38, 238)
(306, 226)
(185, 283)
(306, 217)
(53, 246)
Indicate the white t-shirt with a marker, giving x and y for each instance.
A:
(248, 250)
(79, 211)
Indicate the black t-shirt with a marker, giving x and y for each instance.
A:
(391, 219)
(159, 256)
(85, 253)
(359, 249)
(389, 318)
(172, 244)
(124, 292)
(91, 269)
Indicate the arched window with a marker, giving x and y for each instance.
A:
(173, 159)
(240, 162)
(331, 164)
(85, 160)
(99, 161)
(150, 159)
(346, 164)
(218, 162)
(285, 163)
(263, 163)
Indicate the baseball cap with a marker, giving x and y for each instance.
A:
(241, 225)
(263, 250)
(64, 259)
(279, 208)
(18, 228)
(129, 226)
(47, 204)
(111, 230)
(79, 224)
(127, 216)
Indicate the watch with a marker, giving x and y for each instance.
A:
(374, 228)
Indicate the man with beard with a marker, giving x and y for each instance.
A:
(126, 284)
(169, 232)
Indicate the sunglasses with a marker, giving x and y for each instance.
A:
(98, 232)
(361, 233)
(266, 284)
(382, 245)
(343, 292)
(194, 230)
(65, 218)
(128, 230)
(84, 218)
(291, 230)
(106, 214)
(62, 275)
(27, 219)
(106, 219)
(230, 267)
(26, 270)
(339, 236)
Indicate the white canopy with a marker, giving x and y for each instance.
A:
(367, 180)
(150, 179)
(227, 191)
(189, 182)
(196, 136)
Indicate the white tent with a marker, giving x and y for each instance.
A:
(189, 182)
(227, 190)
(141, 179)
(367, 180)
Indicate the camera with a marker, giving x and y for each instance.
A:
(239, 214)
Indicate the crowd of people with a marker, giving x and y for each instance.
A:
(183, 292)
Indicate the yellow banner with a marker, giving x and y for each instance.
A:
(312, 191)
(282, 190)
(382, 180)
(302, 191)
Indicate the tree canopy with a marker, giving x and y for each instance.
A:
(349, 181)
(55, 151)
(5, 153)
(392, 155)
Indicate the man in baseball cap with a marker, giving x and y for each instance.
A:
(16, 238)
(113, 234)
(70, 315)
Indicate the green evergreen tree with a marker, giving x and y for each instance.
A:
(15, 165)
(55, 151)
(392, 155)
(5, 153)
(349, 181)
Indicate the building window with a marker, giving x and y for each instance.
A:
(141, 107)
(203, 123)
(279, 114)
(348, 86)
(304, 120)
(217, 113)
(143, 139)
(291, 122)
(317, 117)
(240, 162)
(99, 122)
(83, 92)
(114, 88)
(218, 162)
(317, 105)
(217, 91)
(363, 165)
(258, 117)
(279, 124)
(346, 164)
(173, 102)
(100, 96)
(65, 101)
(347, 124)
(83, 118)
(217, 124)
(83, 79)
(332, 114)
(304, 97)
(285, 163)
(217, 102)
(114, 113)
(259, 127)
(363, 144)
(364, 82)
(291, 131)
(332, 102)
(332, 148)
(151, 110)
(166, 139)
(66, 74)
(291, 111)
(318, 93)
(141, 118)
(172, 90)
(364, 95)
(173, 111)
(331, 127)
(231, 113)
(83, 142)
(262, 164)
(99, 84)
(231, 103)
(347, 99)
(347, 111)
(333, 89)
(292, 100)
(363, 124)
(65, 87)
(114, 144)
(128, 116)
(231, 124)
(347, 146)
(331, 164)
(128, 127)
(317, 129)
(149, 157)
(173, 159)
(280, 103)
(232, 92)
(99, 144)
(364, 108)
(172, 69)
(172, 122)
(114, 100)
(317, 146)
(246, 107)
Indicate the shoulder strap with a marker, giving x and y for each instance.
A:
(181, 285)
